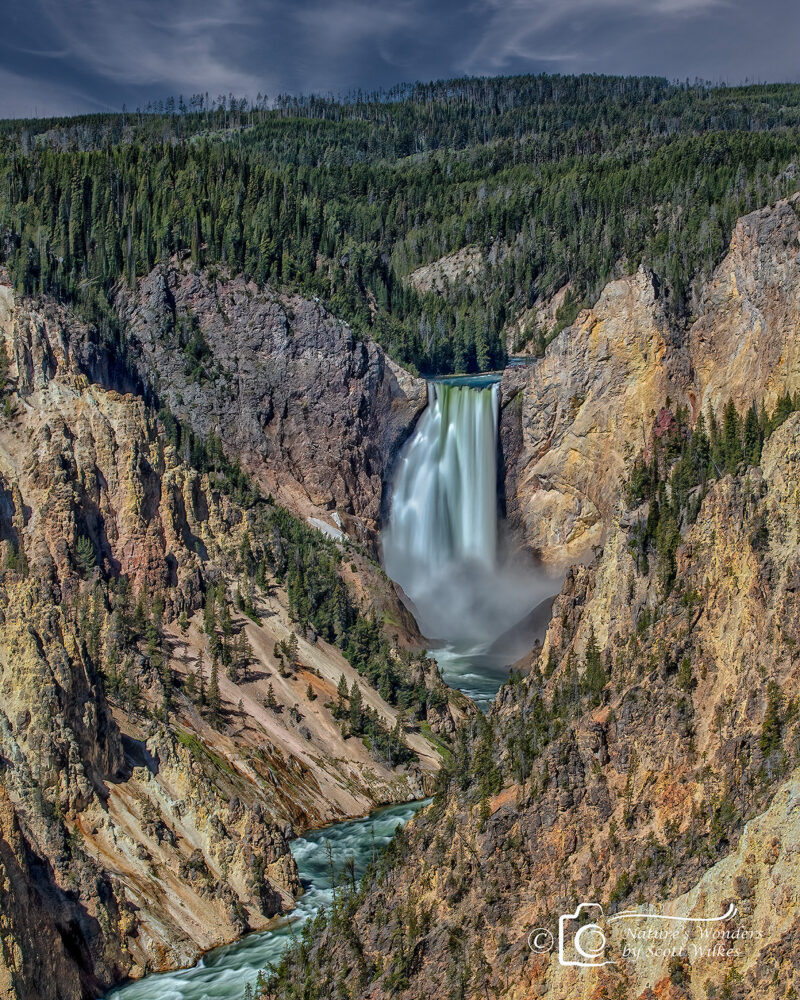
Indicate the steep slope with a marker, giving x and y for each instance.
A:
(659, 718)
(582, 409)
(575, 419)
(155, 759)
(315, 414)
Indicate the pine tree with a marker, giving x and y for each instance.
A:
(700, 449)
(770, 741)
(213, 698)
(225, 623)
(752, 437)
(85, 555)
(594, 674)
(190, 686)
(200, 683)
(356, 719)
(732, 436)
(341, 692)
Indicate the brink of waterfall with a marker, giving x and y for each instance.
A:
(443, 546)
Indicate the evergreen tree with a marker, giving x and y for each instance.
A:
(732, 436)
(213, 699)
(752, 437)
(200, 683)
(356, 722)
(85, 555)
(341, 692)
(594, 674)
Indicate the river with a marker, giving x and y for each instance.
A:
(478, 599)
(223, 973)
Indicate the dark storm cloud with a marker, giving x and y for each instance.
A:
(61, 56)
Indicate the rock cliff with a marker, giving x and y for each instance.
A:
(646, 759)
(154, 755)
(647, 763)
(580, 414)
(315, 414)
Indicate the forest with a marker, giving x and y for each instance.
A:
(554, 181)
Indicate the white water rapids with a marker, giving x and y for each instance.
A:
(471, 594)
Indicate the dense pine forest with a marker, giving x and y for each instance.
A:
(554, 180)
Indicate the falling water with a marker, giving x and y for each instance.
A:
(469, 591)
(470, 595)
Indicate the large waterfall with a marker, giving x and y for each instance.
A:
(442, 546)
(444, 506)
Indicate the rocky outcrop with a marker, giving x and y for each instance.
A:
(583, 407)
(139, 826)
(541, 318)
(744, 344)
(312, 412)
(464, 267)
(582, 410)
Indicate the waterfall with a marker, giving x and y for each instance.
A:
(442, 543)
(444, 505)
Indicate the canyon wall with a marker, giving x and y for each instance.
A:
(648, 762)
(312, 412)
(144, 820)
(645, 760)
(580, 414)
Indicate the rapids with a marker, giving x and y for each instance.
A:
(222, 974)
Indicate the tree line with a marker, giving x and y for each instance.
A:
(556, 179)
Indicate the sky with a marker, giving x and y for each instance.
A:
(71, 56)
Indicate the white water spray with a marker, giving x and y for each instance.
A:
(442, 547)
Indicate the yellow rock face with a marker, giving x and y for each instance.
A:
(587, 405)
(164, 840)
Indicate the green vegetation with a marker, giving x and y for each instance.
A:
(359, 720)
(85, 555)
(306, 562)
(563, 179)
(673, 478)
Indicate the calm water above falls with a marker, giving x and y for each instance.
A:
(222, 974)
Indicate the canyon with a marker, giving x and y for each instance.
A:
(133, 844)
(137, 832)
(645, 757)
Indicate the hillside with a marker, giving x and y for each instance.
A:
(214, 322)
(537, 182)
(175, 644)
(647, 757)
(573, 422)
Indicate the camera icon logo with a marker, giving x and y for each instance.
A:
(582, 944)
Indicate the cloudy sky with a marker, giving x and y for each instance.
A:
(65, 56)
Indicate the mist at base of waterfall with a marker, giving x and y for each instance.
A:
(479, 619)
(480, 601)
